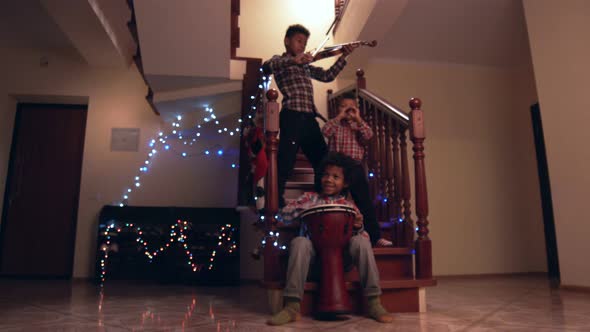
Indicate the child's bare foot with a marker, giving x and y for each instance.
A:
(383, 243)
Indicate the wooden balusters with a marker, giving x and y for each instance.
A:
(396, 186)
(423, 243)
(389, 173)
(387, 164)
(406, 192)
(271, 127)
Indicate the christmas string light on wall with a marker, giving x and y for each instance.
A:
(177, 234)
(186, 140)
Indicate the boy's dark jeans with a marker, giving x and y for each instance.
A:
(298, 129)
(359, 190)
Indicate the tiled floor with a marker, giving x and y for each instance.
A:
(481, 304)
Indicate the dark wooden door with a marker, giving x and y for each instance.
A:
(43, 184)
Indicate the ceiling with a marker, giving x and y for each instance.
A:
(26, 24)
(477, 32)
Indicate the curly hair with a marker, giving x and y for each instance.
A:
(296, 28)
(347, 95)
(335, 159)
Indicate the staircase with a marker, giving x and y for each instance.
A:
(401, 292)
(405, 269)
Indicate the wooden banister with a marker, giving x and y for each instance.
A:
(387, 165)
(271, 127)
(423, 243)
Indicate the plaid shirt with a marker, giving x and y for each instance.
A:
(290, 213)
(347, 138)
(294, 80)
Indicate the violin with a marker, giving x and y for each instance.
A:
(330, 51)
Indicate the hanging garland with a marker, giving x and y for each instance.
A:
(177, 234)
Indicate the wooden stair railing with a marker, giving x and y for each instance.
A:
(388, 169)
(387, 159)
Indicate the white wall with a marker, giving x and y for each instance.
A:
(116, 100)
(485, 214)
(559, 34)
(184, 37)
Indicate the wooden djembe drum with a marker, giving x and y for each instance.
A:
(330, 228)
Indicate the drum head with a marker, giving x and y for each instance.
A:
(325, 208)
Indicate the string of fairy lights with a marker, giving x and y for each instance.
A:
(186, 138)
(177, 235)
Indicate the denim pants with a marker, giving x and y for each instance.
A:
(302, 254)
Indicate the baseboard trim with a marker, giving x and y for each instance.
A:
(575, 288)
(490, 275)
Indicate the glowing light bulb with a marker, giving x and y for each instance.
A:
(184, 154)
(179, 118)
(167, 147)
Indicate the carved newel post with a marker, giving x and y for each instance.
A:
(423, 243)
(361, 82)
(271, 128)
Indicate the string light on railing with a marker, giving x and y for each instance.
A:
(272, 237)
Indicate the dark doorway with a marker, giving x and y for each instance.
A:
(546, 200)
(38, 229)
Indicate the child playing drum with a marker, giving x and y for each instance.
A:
(335, 171)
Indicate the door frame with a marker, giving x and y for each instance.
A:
(553, 272)
(12, 155)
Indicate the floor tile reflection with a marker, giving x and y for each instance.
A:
(456, 304)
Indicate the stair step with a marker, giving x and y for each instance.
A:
(298, 185)
(302, 174)
(311, 286)
(401, 295)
